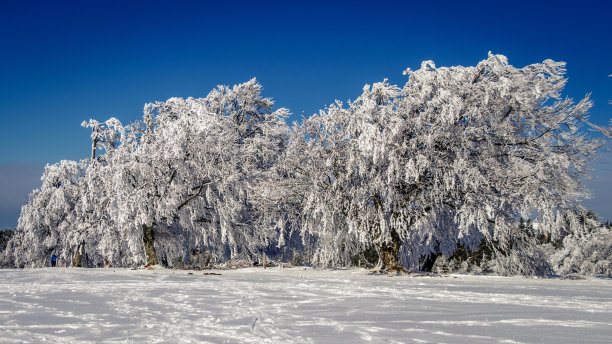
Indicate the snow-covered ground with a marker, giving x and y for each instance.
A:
(297, 305)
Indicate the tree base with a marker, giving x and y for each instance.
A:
(148, 240)
(396, 270)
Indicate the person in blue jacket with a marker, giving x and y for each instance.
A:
(53, 260)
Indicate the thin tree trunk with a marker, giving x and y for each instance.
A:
(94, 141)
(149, 241)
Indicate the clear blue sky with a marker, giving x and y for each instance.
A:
(64, 62)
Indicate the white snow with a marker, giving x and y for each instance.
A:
(297, 305)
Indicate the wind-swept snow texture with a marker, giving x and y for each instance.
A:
(297, 305)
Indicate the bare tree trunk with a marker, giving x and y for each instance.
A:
(78, 256)
(93, 149)
(94, 142)
(388, 255)
(149, 240)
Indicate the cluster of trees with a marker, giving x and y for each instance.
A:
(190, 176)
(451, 159)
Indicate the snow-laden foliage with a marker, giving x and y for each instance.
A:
(456, 155)
(587, 247)
(451, 159)
(47, 221)
(190, 177)
(582, 245)
(199, 168)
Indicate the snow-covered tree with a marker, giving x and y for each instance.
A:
(47, 221)
(456, 155)
(217, 153)
(194, 177)
(191, 176)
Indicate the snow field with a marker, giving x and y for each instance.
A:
(297, 305)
